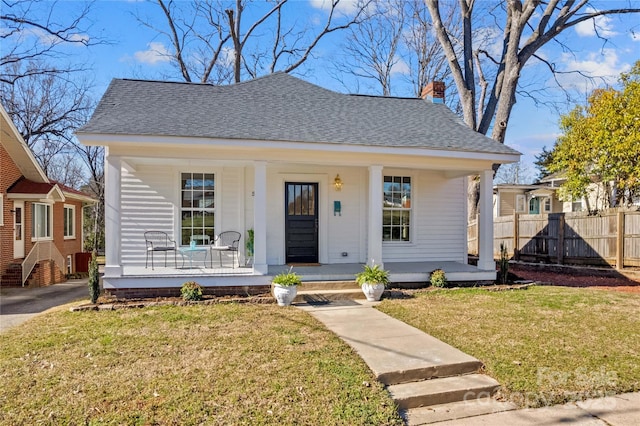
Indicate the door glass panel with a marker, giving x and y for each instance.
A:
(18, 222)
(291, 199)
(305, 200)
(298, 199)
(312, 200)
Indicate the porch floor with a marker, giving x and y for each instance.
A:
(399, 271)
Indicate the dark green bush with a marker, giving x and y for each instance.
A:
(94, 279)
(503, 265)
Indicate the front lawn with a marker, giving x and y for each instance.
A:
(545, 345)
(215, 364)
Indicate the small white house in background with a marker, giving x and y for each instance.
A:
(526, 199)
(322, 178)
(544, 197)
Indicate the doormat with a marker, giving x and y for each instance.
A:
(303, 264)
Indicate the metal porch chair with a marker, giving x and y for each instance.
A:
(160, 241)
(227, 241)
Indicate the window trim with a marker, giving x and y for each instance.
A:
(214, 210)
(49, 209)
(392, 175)
(544, 205)
(72, 208)
(1, 209)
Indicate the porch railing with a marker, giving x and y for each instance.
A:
(41, 250)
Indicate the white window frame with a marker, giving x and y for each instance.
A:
(546, 208)
(72, 209)
(214, 210)
(1, 209)
(521, 203)
(401, 208)
(49, 210)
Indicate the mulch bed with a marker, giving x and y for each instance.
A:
(596, 278)
(105, 303)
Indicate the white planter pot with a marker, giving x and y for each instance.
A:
(284, 294)
(373, 291)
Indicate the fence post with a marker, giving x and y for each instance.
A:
(516, 236)
(620, 241)
(560, 247)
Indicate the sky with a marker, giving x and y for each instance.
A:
(135, 51)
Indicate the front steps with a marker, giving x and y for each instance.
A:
(455, 411)
(327, 291)
(429, 380)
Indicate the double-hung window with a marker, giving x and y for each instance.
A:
(198, 206)
(396, 210)
(69, 222)
(41, 221)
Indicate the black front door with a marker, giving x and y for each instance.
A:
(301, 222)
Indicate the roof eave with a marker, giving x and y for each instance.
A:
(26, 162)
(103, 139)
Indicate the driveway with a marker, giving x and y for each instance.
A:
(17, 305)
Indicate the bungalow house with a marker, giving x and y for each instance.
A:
(40, 220)
(325, 181)
(526, 199)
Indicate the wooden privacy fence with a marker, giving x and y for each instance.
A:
(610, 238)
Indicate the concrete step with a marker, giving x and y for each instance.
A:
(396, 352)
(328, 285)
(443, 390)
(454, 411)
(328, 295)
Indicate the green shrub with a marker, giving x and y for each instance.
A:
(373, 275)
(94, 279)
(503, 265)
(287, 279)
(191, 290)
(438, 278)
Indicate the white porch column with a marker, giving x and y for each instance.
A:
(485, 225)
(112, 237)
(374, 251)
(260, 218)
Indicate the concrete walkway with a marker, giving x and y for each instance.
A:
(17, 305)
(391, 348)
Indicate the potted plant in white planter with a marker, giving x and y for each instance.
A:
(285, 287)
(373, 280)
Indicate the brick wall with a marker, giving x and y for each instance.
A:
(9, 173)
(136, 293)
(67, 246)
(47, 273)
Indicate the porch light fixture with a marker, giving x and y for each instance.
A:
(337, 183)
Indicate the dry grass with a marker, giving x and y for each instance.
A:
(217, 364)
(545, 345)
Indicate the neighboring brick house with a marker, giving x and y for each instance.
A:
(40, 220)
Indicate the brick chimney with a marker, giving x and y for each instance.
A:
(434, 92)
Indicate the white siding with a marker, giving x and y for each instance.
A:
(230, 198)
(438, 220)
(147, 203)
(151, 201)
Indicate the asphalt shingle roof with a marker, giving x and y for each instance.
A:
(281, 107)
